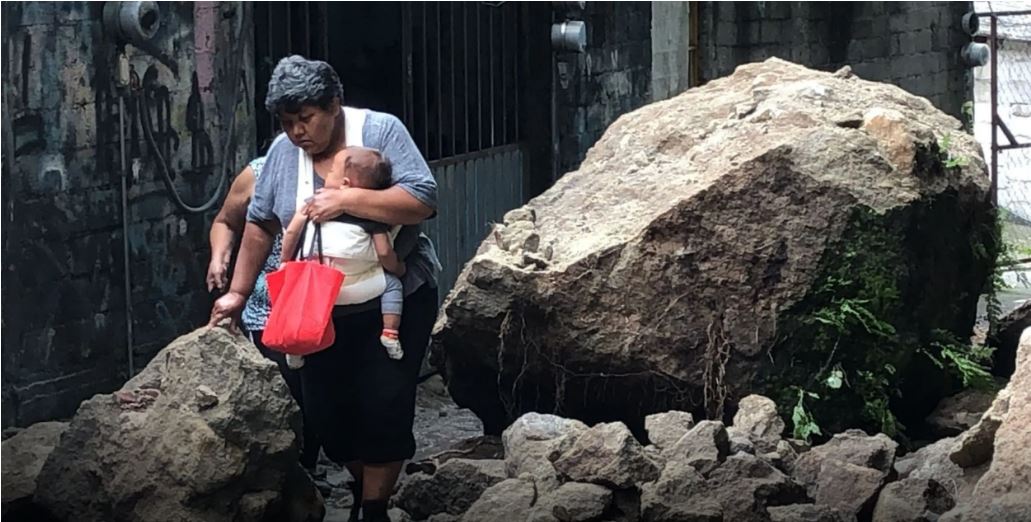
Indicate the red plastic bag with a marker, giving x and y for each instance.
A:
(302, 294)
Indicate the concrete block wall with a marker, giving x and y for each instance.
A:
(64, 309)
(914, 45)
(613, 77)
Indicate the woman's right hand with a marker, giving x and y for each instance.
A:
(218, 274)
(229, 306)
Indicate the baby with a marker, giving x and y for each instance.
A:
(362, 168)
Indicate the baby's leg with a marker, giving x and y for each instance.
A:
(391, 304)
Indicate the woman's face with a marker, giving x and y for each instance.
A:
(311, 128)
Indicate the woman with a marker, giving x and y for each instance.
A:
(225, 231)
(359, 401)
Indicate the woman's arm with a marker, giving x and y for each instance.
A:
(411, 199)
(227, 226)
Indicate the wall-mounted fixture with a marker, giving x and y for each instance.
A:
(132, 22)
(970, 23)
(975, 54)
(569, 36)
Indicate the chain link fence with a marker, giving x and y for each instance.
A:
(1002, 114)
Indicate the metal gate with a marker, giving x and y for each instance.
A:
(1004, 126)
(462, 103)
(462, 107)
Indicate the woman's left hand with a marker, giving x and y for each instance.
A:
(326, 204)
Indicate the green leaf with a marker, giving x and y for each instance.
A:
(834, 380)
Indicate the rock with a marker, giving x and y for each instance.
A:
(206, 398)
(740, 489)
(912, 500)
(572, 502)
(739, 442)
(1005, 337)
(23, 456)
(932, 462)
(510, 499)
(976, 445)
(704, 447)
(678, 495)
(665, 429)
(807, 513)
(483, 447)
(851, 446)
(166, 455)
(757, 418)
(444, 517)
(960, 412)
(454, 487)
(847, 487)
(1004, 491)
(609, 455)
(686, 225)
(782, 457)
(534, 440)
(398, 515)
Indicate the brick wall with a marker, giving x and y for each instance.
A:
(914, 45)
(64, 310)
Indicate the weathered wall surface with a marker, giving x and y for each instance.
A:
(64, 311)
(613, 77)
(914, 45)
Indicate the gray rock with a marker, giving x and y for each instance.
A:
(739, 442)
(572, 502)
(932, 462)
(976, 445)
(807, 513)
(609, 455)
(757, 418)
(665, 429)
(398, 515)
(782, 457)
(23, 456)
(704, 447)
(851, 446)
(912, 500)
(1004, 491)
(444, 517)
(678, 494)
(166, 456)
(534, 440)
(510, 499)
(456, 484)
(847, 487)
(960, 412)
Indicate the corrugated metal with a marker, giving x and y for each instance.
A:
(474, 190)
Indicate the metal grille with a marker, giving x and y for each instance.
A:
(1005, 129)
(462, 69)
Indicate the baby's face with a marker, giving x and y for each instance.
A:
(348, 163)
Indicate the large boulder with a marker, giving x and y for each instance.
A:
(825, 222)
(534, 440)
(607, 454)
(1004, 491)
(206, 432)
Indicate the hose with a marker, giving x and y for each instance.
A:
(143, 115)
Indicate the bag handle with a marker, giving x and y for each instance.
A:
(316, 243)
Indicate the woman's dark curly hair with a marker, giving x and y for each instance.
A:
(298, 81)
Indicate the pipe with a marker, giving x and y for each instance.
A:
(125, 235)
(995, 110)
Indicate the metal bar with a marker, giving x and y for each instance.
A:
(324, 10)
(1015, 146)
(1004, 13)
(443, 162)
(465, 68)
(454, 98)
(995, 111)
(126, 256)
(425, 84)
(307, 30)
(1005, 130)
(440, 91)
(479, 79)
(517, 28)
(405, 61)
(490, 20)
(504, 86)
(289, 31)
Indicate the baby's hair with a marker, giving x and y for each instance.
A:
(377, 177)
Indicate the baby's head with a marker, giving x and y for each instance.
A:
(360, 167)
